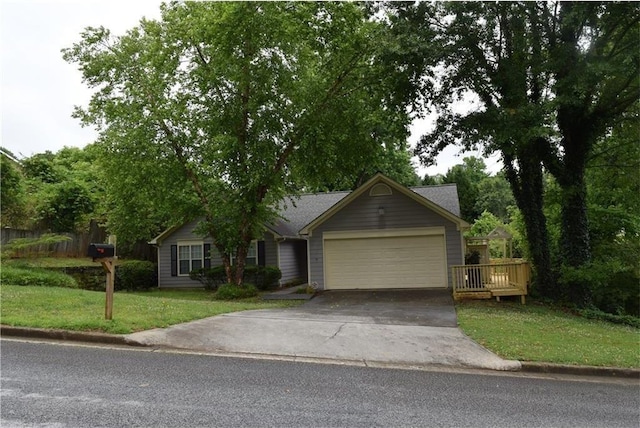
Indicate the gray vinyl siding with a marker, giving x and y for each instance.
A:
(270, 249)
(293, 266)
(399, 212)
(185, 233)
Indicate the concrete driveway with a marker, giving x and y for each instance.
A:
(408, 328)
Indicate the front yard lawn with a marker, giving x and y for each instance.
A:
(71, 309)
(534, 332)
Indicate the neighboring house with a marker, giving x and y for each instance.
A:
(381, 235)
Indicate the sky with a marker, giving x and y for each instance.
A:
(38, 89)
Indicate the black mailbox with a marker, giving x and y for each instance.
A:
(101, 251)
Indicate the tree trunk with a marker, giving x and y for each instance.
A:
(526, 183)
(575, 245)
(228, 269)
(241, 260)
(574, 236)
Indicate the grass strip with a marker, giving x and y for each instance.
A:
(534, 332)
(82, 310)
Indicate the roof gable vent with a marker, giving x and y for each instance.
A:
(380, 189)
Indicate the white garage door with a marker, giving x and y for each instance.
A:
(385, 262)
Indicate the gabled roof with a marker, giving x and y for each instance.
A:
(298, 211)
(158, 239)
(441, 199)
(307, 209)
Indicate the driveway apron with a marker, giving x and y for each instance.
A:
(414, 328)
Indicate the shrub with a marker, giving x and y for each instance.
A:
(136, 275)
(211, 278)
(613, 289)
(130, 275)
(596, 314)
(233, 291)
(87, 277)
(264, 277)
(36, 277)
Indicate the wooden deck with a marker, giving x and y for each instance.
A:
(491, 280)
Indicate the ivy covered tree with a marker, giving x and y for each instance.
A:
(217, 108)
(545, 81)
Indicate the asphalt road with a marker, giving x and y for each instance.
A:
(65, 385)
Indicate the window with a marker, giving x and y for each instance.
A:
(252, 254)
(380, 189)
(190, 257)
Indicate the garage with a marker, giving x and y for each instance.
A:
(414, 258)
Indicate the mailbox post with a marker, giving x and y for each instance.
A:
(105, 254)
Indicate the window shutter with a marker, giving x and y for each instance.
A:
(207, 255)
(261, 256)
(174, 260)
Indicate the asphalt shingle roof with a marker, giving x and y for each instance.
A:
(299, 211)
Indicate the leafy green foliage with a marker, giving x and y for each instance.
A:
(41, 167)
(486, 223)
(467, 177)
(211, 278)
(62, 190)
(13, 195)
(87, 277)
(131, 275)
(65, 205)
(495, 196)
(264, 277)
(35, 277)
(595, 314)
(546, 81)
(136, 275)
(218, 109)
(235, 291)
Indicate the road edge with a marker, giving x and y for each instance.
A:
(116, 339)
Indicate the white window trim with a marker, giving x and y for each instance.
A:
(189, 244)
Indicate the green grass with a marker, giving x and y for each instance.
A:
(62, 308)
(539, 333)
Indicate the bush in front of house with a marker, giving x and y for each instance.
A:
(36, 277)
(134, 275)
(263, 277)
(211, 278)
(234, 291)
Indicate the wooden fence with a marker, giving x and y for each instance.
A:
(76, 246)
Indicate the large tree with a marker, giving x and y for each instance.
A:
(467, 177)
(545, 81)
(216, 108)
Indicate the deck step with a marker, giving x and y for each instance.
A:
(507, 292)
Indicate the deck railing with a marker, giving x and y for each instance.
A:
(488, 277)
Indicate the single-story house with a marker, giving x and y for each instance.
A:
(381, 235)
